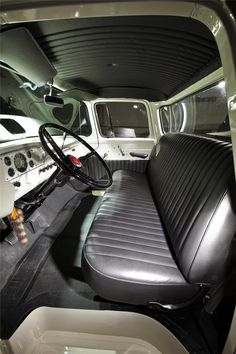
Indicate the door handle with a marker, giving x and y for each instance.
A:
(121, 151)
(138, 154)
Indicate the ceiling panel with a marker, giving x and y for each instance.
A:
(156, 56)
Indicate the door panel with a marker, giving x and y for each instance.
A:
(97, 171)
(117, 156)
(120, 149)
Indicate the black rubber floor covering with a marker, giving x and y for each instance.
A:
(39, 279)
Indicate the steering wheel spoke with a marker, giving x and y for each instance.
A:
(69, 163)
(54, 145)
(87, 156)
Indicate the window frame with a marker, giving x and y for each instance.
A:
(82, 103)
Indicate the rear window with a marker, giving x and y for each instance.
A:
(205, 112)
(122, 119)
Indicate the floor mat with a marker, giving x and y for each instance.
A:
(49, 273)
(60, 205)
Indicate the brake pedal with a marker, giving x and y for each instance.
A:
(12, 239)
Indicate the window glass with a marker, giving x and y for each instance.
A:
(177, 117)
(63, 114)
(207, 111)
(171, 118)
(123, 119)
(81, 125)
(206, 114)
(165, 116)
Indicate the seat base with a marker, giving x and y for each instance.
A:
(126, 256)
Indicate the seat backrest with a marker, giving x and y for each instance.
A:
(192, 180)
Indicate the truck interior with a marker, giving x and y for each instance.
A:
(117, 172)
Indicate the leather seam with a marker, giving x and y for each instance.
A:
(131, 214)
(133, 259)
(122, 224)
(151, 232)
(126, 241)
(163, 240)
(130, 250)
(121, 199)
(126, 205)
(130, 218)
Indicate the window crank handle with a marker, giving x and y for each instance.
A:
(121, 151)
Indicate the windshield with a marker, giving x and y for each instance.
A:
(22, 109)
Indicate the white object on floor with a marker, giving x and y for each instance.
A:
(72, 331)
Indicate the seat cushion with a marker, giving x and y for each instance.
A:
(126, 256)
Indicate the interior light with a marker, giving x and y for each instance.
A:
(135, 106)
(221, 84)
(113, 65)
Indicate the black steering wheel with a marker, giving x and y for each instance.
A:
(69, 163)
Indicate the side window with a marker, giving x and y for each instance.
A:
(206, 114)
(123, 119)
(81, 124)
(171, 118)
(177, 117)
(165, 119)
(105, 121)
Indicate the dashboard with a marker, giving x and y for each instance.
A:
(24, 165)
(16, 163)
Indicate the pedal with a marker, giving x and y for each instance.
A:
(12, 239)
(3, 225)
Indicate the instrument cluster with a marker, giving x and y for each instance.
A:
(19, 162)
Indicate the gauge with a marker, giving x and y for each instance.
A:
(11, 172)
(20, 162)
(7, 160)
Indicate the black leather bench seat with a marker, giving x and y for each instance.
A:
(164, 235)
(127, 243)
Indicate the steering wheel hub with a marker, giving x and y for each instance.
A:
(76, 162)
